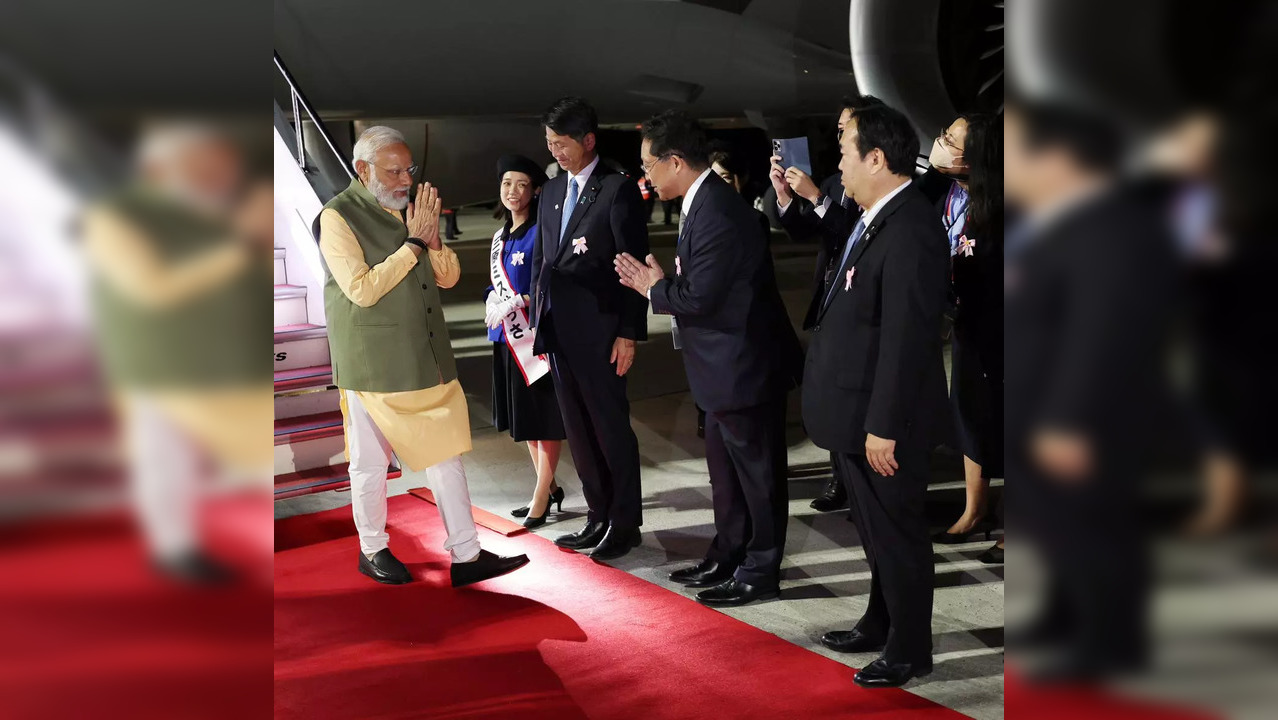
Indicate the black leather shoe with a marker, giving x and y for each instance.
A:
(706, 573)
(586, 537)
(732, 593)
(616, 542)
(882, 674)
(194, 568)
(851, 641)
(486, 566)
(834, 497)
(384, 568)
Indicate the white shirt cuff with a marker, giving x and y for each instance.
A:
(820, 209)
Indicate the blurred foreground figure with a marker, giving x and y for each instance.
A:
(1089, 270)
(180, 260)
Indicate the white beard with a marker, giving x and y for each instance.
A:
(385, 195)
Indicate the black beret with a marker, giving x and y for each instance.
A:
(519, 163)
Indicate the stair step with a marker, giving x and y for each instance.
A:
(290, 310)
(302, 378)
(299, 331)
(310, 449)
(332, 477)
(308, 426)
(300, 345)
(289, 291)
(279, 253)
(300, 403)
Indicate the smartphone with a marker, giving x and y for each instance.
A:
(793, 152)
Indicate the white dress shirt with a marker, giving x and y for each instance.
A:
(692, 191)
(687, 203)
(581, 179)
(820, 209)
(868, 217)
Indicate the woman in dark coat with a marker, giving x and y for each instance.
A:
(970, 155)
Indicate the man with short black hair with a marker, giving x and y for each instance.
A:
(589, 323)
(874, 389)
(826, 213)
(734, 333)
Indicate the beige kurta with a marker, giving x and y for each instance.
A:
(423, 426)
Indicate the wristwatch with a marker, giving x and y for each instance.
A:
(418, 243)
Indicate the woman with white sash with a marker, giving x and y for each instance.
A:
(524, 401)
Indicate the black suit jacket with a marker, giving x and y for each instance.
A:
(588, 305)
(874, 363)
(801, 221)
(738, 345)
(1087, 304)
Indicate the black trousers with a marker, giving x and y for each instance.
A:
(746, 455)
(596, 415)
(890, 518)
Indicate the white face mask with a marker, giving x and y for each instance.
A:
(943, 157)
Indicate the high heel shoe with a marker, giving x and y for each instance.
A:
(983, 526)
(556, 498)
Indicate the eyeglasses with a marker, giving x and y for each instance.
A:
(647, 167)
(944, 137)
(395, 172)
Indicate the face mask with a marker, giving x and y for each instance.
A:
(942, 156)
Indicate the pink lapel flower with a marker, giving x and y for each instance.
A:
(966, 245)
(678, 266)
(847, 285)
(579, 246)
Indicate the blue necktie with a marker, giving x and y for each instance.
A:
(853, 239)
(568, 208)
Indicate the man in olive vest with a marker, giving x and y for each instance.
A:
(392, 360)
(179, 261)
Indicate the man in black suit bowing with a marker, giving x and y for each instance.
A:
(589, 324)
(732, 327)
(874, 387)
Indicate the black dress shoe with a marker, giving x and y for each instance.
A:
(486, 566)
(850, 641)
(194, 568)
(834, 497)
(732, 593)
(993, 556)
(946, 537)
(384, 568)
(586, 537)
(882, 674)
(706, 573)
(616, 542)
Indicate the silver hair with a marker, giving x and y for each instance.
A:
(372, 140)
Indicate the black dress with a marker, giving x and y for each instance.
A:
(976, 385)
(527, 412)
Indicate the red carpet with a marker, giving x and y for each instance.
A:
(563, 637)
